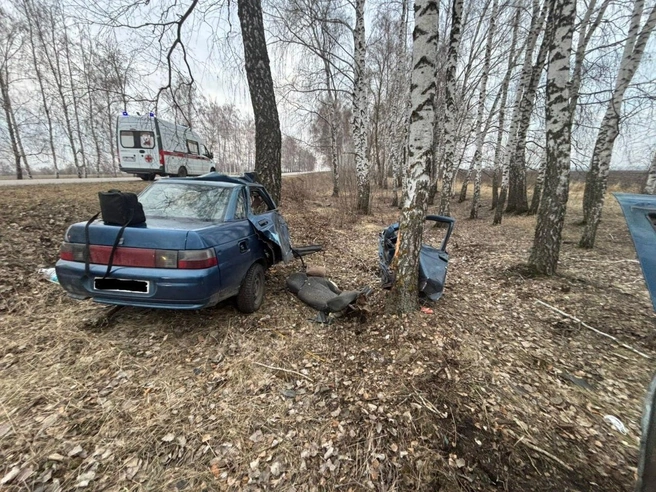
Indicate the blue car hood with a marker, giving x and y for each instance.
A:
(640, 214)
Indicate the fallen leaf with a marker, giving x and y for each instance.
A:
(13, 473)
(168, 437)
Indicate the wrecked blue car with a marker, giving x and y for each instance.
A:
(204, 239)
(433, 262)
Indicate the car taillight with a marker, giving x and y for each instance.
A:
(140, 257)
(161, 157)
(71, 251)
(204, 258)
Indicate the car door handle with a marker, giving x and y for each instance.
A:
(263, 223)
(243, 246)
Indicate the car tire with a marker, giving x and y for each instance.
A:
(212, 170)
(251, 292)
(182, 172)
(147, 177)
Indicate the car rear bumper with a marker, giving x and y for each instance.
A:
(167, 288)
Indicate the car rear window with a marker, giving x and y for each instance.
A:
(186, 201)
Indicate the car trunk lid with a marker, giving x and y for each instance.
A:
(171, 234)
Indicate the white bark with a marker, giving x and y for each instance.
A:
(360, 111)
(650, 185)
(500, 170)
(482, 131)
(450, 114)
(405, 291)
(597, 180)
(551, 214)
(537, 22)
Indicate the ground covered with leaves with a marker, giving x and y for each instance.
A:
(493, 391)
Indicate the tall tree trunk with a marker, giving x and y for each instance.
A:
(55, 68)
(450, 114)
(537, 21)
(482, 131)
(551, 214)
(505, 83)
(39, 77)
(597, 179)
(650, 185)
(112, 140)
(465, 181)
(6, 106)
(359, 123)
(399, 107)
(517, 195)
(537, 189)
(76, 111)
(19, 142)
(404, 296)
(268, 139)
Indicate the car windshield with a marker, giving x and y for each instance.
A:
(186, 201)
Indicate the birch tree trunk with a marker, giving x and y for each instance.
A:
(404, 295)
(537, 20)
(517, 196)
(399, 115)
(551, 214)
(482, 131)
(359, 124)
(537, 189)
(6, 106)
(650, 185)
(268, 139)
(40, 80)
(19, 142)
(450, 116)
(505, 83)
(55, 69)
(597, 179)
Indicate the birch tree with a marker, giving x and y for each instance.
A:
(499, 174)
(268, 139)
(448, 171)
(551, 214)
(535, 29)
(360, 111)
(404, 294)
(597, 178)
(480, 138)
(650, 185)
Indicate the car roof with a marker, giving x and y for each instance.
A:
(247, 179)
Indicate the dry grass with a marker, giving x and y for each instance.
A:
(459, 400)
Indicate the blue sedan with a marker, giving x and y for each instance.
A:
(205, 239)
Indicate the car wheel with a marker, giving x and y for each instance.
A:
(147, 177)
(251, 292)
(213, 170)
(182, 172)
(143, 176)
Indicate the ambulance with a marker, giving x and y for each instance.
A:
(149, 147)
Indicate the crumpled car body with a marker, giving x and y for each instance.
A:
(201, 243)
(433, 262)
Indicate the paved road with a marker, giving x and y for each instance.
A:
(43, 181)
(68, 180)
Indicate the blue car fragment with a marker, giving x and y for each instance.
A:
(640, 214)
(433, 262)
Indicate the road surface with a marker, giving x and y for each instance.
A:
(69, 180)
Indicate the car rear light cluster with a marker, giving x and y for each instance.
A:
(140, 257)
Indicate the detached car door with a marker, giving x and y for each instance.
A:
(269, 223)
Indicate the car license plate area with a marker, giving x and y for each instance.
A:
(129, 158)
(121, 285)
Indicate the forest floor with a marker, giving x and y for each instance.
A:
(493, 391)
